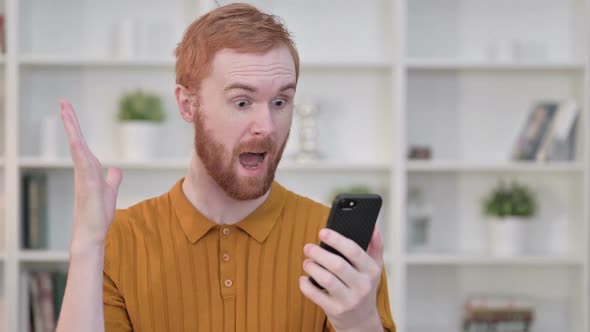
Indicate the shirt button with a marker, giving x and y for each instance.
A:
(228, 283)
(226, 231)
(225, 257)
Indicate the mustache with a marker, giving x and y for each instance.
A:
(263, 144)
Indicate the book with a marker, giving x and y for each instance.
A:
(498, 314)
(36, 316)
(34, 211)
(534, 130)
(559, 143)
(59, 286)
(2, 33)
(44, 290)
(562, 146)
(46, 301)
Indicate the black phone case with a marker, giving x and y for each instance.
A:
(357, 223)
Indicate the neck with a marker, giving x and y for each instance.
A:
(211, 200)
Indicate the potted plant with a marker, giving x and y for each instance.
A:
(140, 116)
(508, 208)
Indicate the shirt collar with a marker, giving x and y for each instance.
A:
(257, 224)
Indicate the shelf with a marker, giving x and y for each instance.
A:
(435, 259)
(454, 166)
(450, 64)
(79, 61)
(44, 256)
(50, 164)
(346, 65)
(285, 165)
(328, 166)
(76, 61)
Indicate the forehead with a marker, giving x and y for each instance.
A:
(273, 67)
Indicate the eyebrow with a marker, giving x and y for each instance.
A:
(252, 89)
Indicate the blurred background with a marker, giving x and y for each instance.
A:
(469, 117)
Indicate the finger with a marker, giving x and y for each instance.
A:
(114, 178)
(375, 249)
(325, 278)
(75, 138)
(352, 251)
(316, 295)
(331, 262)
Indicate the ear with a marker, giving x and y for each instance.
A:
(184, 103)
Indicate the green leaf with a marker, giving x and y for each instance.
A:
(140, 106)
(505, 201)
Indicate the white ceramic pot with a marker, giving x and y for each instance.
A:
(507, 236)
(138, 140)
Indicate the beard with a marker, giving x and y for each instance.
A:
(221, 167)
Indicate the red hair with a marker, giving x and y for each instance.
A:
(240, 27)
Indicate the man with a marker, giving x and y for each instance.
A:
(227, 248)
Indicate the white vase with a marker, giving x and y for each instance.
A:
(138, 140)
(507, 236)
(292, 146)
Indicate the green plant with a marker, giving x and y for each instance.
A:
(353, 189)
(141, 106)
(510, 200)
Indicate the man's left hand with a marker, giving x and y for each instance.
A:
(350, 296)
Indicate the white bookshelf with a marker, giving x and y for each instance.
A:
(515, 167)
(462, 64)
(172, 165)
(76, 61)
(483, 260)
(397, 72)
(49, 61)
(44, 256)
(468, 105)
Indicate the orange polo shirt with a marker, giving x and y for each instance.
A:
(169, 268)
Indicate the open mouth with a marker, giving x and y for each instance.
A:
(251, 160)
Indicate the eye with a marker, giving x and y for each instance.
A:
(242, 103)
(279, 103)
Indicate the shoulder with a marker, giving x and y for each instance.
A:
(137, 220)
(304, 209)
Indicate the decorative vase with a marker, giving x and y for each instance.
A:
(419, 221)
(308, 145)
(292, 147)
(138, 140)
(507, 236)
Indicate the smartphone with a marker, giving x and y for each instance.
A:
(354, 216)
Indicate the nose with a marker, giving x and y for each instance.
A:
(263, 123)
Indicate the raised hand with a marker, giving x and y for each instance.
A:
(95, 194)
(94, 209)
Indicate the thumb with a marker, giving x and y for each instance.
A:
(114, 178)
(375, 249)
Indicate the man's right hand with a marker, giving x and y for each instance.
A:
(95, 195)
(94, 208)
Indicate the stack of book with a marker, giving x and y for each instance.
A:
(46, 291)
(548, 133)
(2, 34)
(34, 211)
(497, 314)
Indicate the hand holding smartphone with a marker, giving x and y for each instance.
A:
(354, 216)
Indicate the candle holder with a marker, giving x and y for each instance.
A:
(308, 132)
